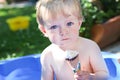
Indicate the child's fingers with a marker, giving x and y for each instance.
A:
(81, 75)
(77, 77)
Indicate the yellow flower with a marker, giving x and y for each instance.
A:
(18, 23)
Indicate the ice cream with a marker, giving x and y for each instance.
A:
(71, 55)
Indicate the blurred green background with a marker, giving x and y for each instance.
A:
(22, 42)
(31, 40)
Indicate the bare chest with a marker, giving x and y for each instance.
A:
(63, 70)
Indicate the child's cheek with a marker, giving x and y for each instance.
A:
(75, 31)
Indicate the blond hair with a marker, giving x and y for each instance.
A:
(53, 8)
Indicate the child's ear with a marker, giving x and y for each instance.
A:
(80, 23)
(42, 29)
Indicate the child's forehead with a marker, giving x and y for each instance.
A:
(60, 19)
(55, 14)
(50, 15)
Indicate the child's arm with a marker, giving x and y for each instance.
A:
(98, 64)
(47, 72)
(100, 71)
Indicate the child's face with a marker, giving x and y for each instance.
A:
(63, 31)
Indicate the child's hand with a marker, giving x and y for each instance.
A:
(83, 75)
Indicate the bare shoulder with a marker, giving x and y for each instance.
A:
(89, 42)
(46, 55)
(90, 45)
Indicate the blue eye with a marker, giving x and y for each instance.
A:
(70, 23)
(53, 27)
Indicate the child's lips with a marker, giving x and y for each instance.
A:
(65, 39)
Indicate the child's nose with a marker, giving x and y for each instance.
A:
(63, 31)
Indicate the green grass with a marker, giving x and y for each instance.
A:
(23, 42)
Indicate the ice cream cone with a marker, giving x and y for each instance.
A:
(73, 60)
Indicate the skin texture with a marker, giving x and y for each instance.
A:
(63, 32)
